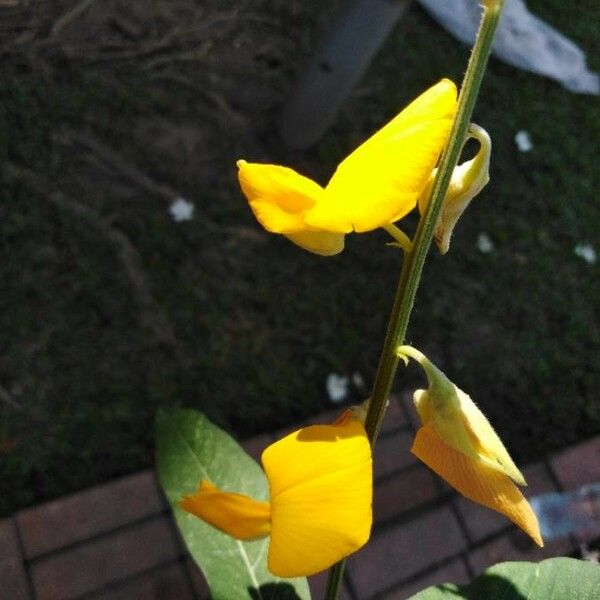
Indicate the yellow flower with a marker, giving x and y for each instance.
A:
(374, 186)
(457, 442)
(320, 487)
(280, 198)
(467, 181)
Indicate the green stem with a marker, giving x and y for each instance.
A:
(413, 353)
(401, 238)
(413, 263)
(334, 581)
(414, 260)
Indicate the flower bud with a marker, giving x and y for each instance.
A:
(468, 179)
(458, 421)
(459, 444)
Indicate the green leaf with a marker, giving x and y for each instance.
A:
(552, 579)
(191, 448)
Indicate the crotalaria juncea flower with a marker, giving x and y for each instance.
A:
(320, 493)
(374, 186)
(457, 442)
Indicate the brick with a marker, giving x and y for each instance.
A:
(199, 584)
(393, 453)
(539, 479)
(482, 522)
(164, 583)
(516, 546)
(91, 566)
(255, 446)
(578, 465)
(395, 417)
(81, 516)
(453, 572)
(13, 579)
(402, 492)
(399, 552)
(318, 585)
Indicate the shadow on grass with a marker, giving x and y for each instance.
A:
(274, 591)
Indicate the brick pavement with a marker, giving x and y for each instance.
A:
(117, 541)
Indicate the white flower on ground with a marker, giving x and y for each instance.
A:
(181, 210)
(585, 252)
(523, 141)
(358, 380)
(484, 243)
(337, 387)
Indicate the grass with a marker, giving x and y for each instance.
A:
(257, 324)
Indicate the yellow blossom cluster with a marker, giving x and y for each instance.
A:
(320, 477)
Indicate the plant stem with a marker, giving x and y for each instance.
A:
(414, 260)
(401, 238)
(334, 580)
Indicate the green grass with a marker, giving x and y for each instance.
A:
(260, 323)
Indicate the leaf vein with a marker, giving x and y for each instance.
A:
(250, 569)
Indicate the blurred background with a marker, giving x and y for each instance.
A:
(134, 275)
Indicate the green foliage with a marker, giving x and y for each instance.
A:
(552, 579)
(190, 448)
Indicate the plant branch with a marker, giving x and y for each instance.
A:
(413, 263)
(414, 260)
(402, 240)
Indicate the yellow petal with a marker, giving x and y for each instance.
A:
(237, 515)
(438, 101)
(476, 481)
(318, 242)
(381, 180)
(320, 480)
(278, 196)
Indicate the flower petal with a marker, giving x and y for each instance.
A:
(458, 421)
(237, 515)
(318, 242)
(320, 480)
(381, 180)
(488, 444)
(461, 425)
(438, 101)
(278, 196)
(476, 481)
(468, 179)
